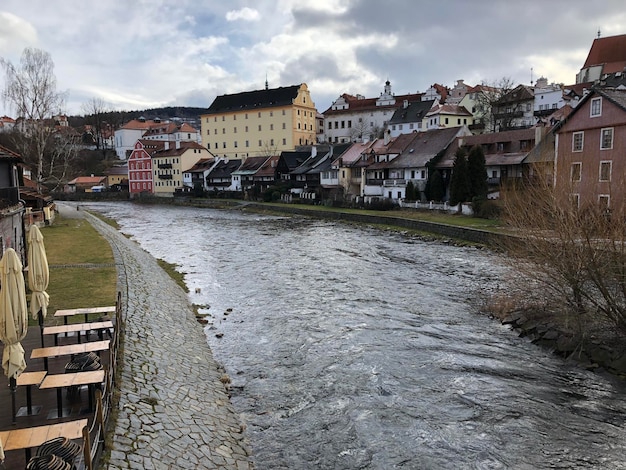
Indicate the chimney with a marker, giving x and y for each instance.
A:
(314, 151)
(387, 137)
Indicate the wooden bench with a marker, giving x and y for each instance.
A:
(84, 311)
(68, 350)
(27, 379)
(60, 381)
(27, 438)
(99, 326)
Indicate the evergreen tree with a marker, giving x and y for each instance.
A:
(477, 173)
(410, 194)
(435, 189)
(459, 181)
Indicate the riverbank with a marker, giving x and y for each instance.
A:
(173, 409)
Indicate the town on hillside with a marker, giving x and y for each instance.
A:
(273, 143)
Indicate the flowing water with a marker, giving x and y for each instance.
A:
(354, 348)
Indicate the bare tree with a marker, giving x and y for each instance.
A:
(488, 95)
(96, 110)
(30, 89)
(575, 257)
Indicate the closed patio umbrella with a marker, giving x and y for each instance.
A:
(38, 276)
(13, 317)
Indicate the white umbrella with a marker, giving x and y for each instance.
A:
(38, 276)
(13, 313)
(13, 317)
(38, 273)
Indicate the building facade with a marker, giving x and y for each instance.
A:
(259, 123)
(590, 149)
(358, 119)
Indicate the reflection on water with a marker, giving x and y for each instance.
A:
(352, 348)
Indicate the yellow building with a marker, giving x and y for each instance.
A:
(169, 164)
(260, 123)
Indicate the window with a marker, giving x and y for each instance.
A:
(235, 143)
(234, 117)
(215, 131)
(604, 201)
(247, 143)
(259, 113)
(271, 127)
(349, 124)
(271, 113)
(605, 170)
(234, 130)
(223, 130)
(284, 126)
(260, 143)
(223, 118)
(577, 141)
(576, 171)
(596, 107)
(606, 140)
(330, 125)
(272, 142)
(283, 112)
(224, 143)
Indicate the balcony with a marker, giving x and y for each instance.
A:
(398, 182)
(165, 166)
(165, 177)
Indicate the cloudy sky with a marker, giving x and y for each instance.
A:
(139, 54)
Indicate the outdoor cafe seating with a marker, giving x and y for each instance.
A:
(60, 426)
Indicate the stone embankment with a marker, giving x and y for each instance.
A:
(173, 410)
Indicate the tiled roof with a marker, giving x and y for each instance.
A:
(366, 104)
(6, 154)
(610, 52)
(425, 146)
(224, 169)
(173, 151)
(201, 165)
(137, 124)
(86, 180)
(451, 109)
(294, 158)
(266, 168)
(259, 99)
(617, 96)
(415, 111)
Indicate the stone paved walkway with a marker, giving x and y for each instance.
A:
(174, 412)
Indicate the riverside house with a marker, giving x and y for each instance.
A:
(590, 149)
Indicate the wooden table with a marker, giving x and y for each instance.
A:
(69, 349)
(27, 379)
(83, 311)
(59, 381)
(77, 328)
(26, 438)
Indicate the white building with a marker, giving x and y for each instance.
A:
(137, 129)
(359, 119)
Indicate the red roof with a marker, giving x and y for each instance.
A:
(610, 52)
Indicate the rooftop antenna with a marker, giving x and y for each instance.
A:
(266, 84)
(531, 76)
(599, 34)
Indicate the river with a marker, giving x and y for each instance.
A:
(349, 347)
